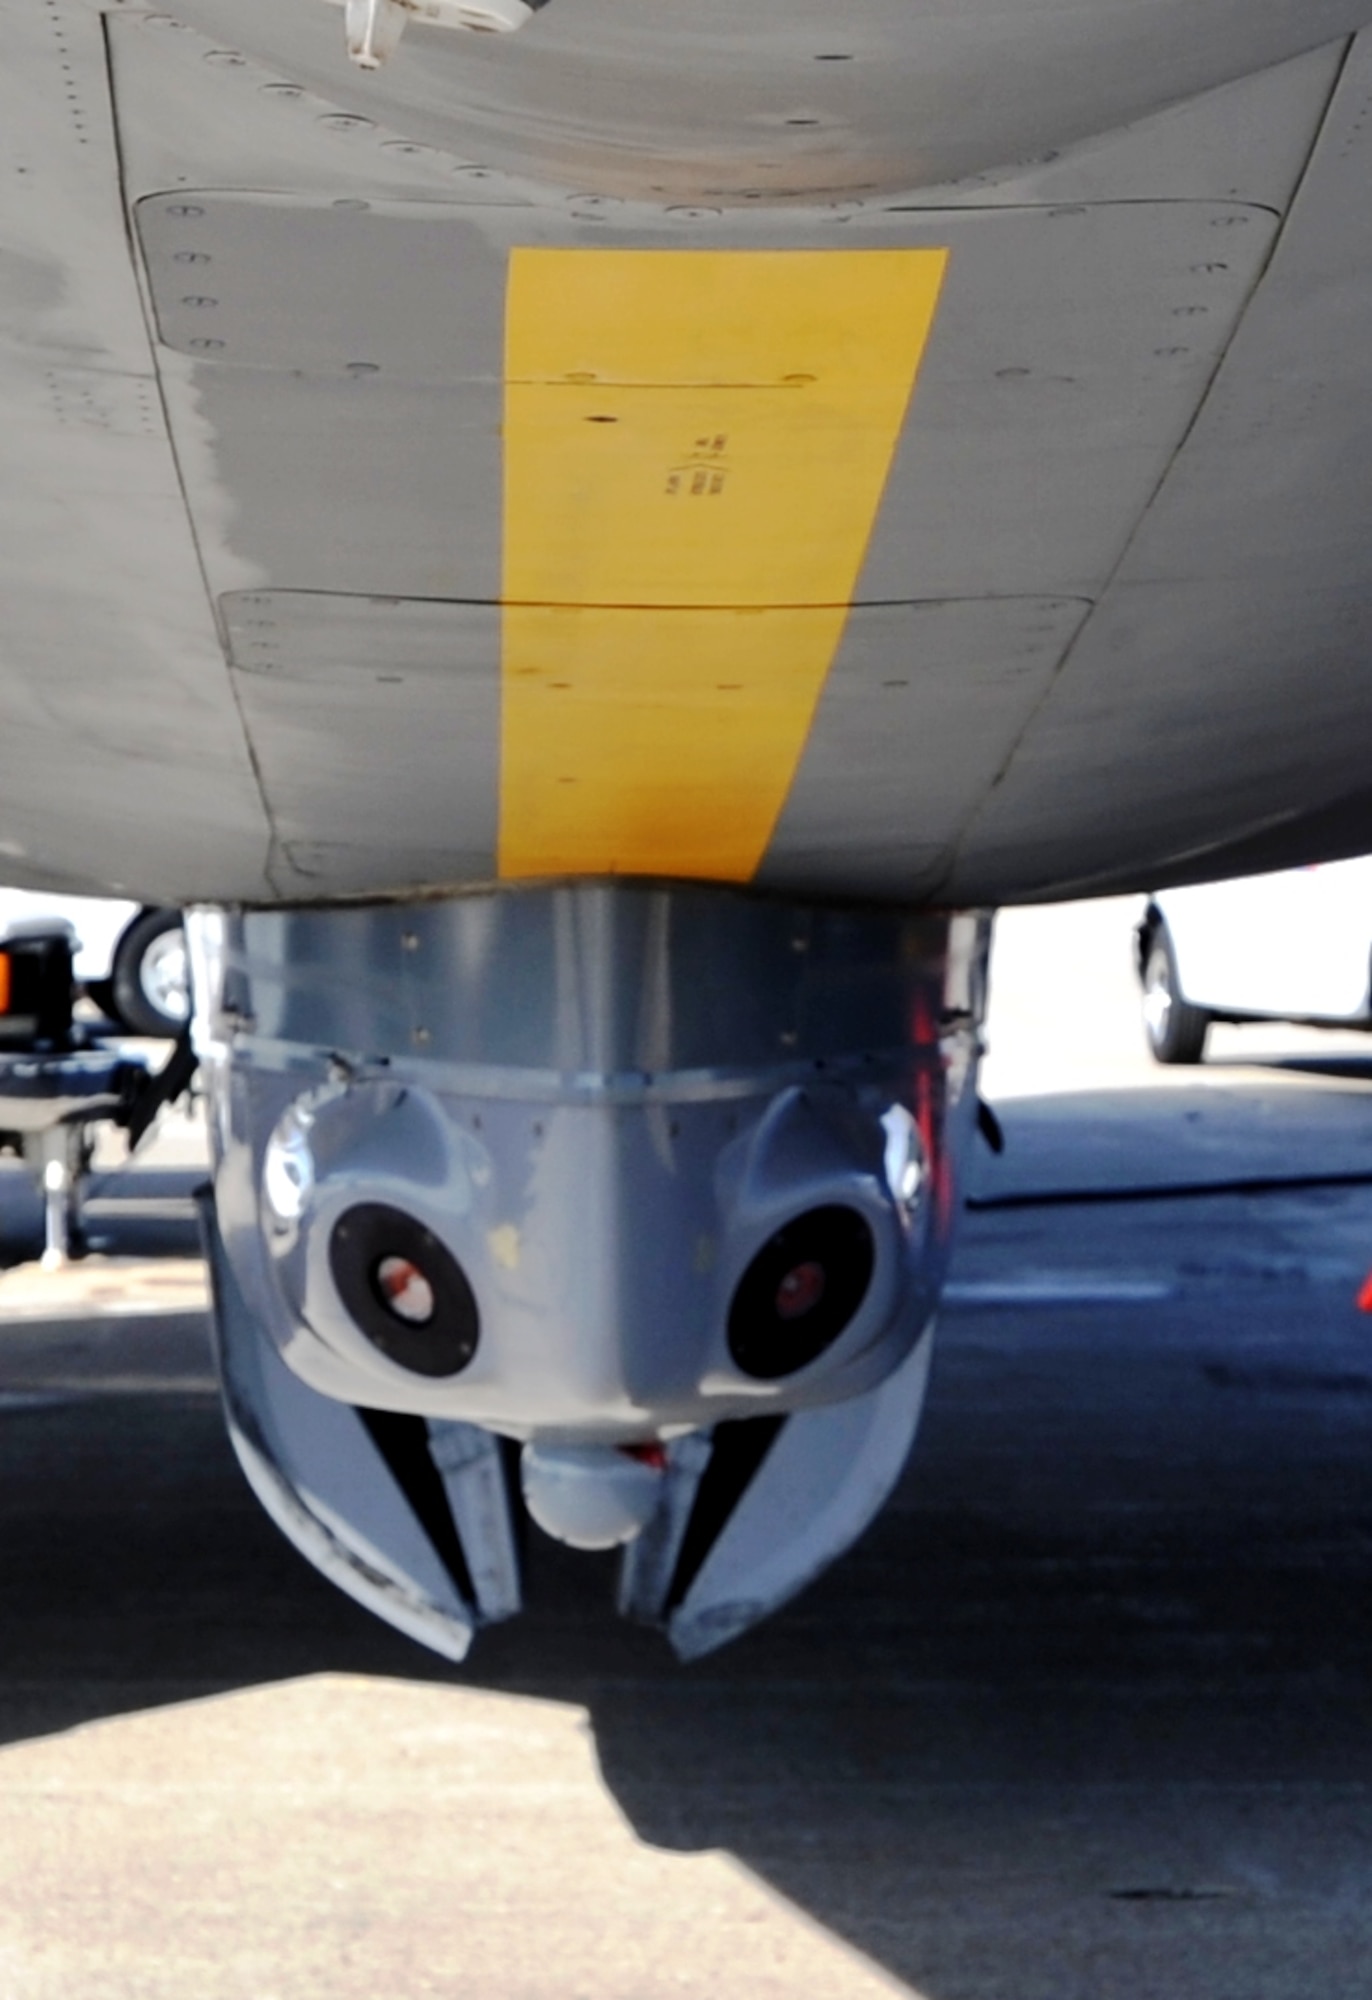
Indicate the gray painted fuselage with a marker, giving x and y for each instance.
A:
(1111, 623)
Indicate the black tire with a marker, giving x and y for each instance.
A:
(138, 978)
(101, 991)
(1175, 1030)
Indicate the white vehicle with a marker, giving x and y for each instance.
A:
(129, 959)
(1292, 946)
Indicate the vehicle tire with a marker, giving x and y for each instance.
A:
(148, 981)
(1175, 1030)
(101, 991)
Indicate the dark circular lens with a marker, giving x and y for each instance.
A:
(800, 1291)
(405, 1289)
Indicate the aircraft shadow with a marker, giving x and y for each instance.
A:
(1086, 1713)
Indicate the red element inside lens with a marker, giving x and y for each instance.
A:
(800, 1291)
(406, 1290)
(654, 1455)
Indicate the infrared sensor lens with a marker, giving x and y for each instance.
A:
(800, 1292)
(404, 1289)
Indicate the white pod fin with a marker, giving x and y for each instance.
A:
(775, 1501)
(412, 1520)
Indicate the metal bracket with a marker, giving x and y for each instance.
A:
(373, 27)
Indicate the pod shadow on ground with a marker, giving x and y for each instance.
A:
(1086, 1713)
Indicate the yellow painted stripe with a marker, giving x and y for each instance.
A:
(696, 444)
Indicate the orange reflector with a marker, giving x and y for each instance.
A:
(4, 982)
(1365, 1295)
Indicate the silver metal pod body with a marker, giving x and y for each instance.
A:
(602, 1103)
(623, 1207)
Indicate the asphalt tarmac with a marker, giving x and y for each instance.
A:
(1085, 1716)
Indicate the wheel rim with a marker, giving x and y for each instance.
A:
(1157, 999)
(164, 977)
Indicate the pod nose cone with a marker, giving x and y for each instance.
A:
(591, 1496)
